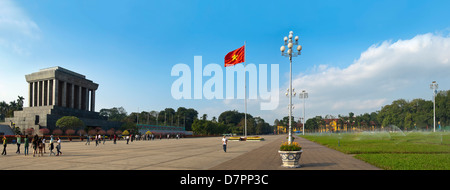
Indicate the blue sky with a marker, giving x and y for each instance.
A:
(130, 47)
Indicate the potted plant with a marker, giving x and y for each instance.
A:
(290, 154)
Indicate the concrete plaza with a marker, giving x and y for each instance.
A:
(183, 154)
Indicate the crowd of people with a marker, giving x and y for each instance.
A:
(37, 143)
(147, 137)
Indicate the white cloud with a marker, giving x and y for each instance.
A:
(18, 33)
(16, 29)
(383, 73)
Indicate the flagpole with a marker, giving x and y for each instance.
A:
(245, 83)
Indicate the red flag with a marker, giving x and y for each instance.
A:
(235, 57)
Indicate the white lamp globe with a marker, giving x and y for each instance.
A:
(290, 45)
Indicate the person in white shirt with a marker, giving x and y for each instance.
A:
(58, 147)
(43, 143)
(51, 146)
(224, 143)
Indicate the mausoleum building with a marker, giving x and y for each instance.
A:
(56, 92)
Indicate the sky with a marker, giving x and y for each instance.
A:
(357, 55)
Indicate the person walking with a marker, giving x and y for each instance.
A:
(35, 143)
(115, 138)
(96, 140)
(51, 147)
(58, 147)
(128, 138)
(88, 140)
(40, 146)
(18, 140)
(43, 143)
(26, 145)
(4, 145)
(224, 143)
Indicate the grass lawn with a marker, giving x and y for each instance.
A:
(393, 151)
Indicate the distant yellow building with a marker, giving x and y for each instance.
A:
(281, 129)
(331, 125)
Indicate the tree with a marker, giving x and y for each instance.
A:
(351, 115)
(191, 115)
(285, 121)
(276, 122)
(262, 127)
(408, 123)
(198, 127)
(204, 117)
(4, 107)
(443, 107)
(168, 115)
(313, 123)
(250, 125)
(7, 110)
(114, 114)
(206, 127)
(232, 117)
(69, 122)
(20, 102)
(387, 121)
(129, 126)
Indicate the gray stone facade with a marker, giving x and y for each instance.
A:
(56, 92)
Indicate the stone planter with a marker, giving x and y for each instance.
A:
(290, 159)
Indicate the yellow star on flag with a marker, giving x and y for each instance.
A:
(234, 57)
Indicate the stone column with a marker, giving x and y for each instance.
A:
(30, 94)
(39, 95)
(86, 99)
(79, 97)
(93, 100)
(35, 92)
(46, 92)
(49, 92)
(55, 92)
(64, 94)
(72, 93)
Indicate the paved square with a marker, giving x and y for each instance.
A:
(165, 154)
(184, 154)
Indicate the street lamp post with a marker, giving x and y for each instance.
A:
(434, 86)
(303, 95)
(290, 44)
